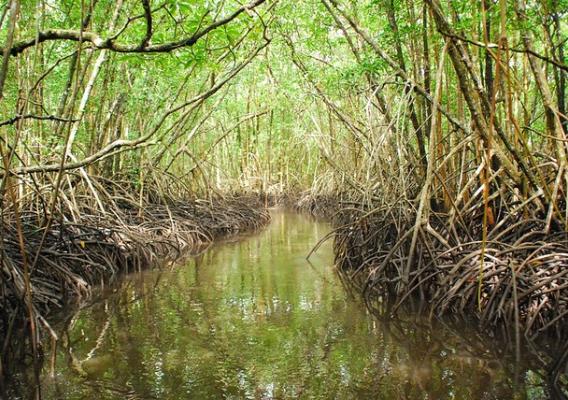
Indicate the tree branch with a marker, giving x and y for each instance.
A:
(14, 10)
(148, 16)
(15, 119)
(490, 46)
(397, 70)
(122, 144)
(109, 43)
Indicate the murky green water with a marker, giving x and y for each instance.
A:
(253, 319)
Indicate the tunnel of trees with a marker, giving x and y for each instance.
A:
(433, 134)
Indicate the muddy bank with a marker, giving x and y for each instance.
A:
(321, 206)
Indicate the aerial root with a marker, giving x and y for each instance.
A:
(74, 254)
(518, 278)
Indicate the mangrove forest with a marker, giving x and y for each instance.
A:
(284, 199)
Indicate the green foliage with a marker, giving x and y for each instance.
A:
(297, 109)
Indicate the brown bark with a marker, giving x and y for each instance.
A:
(416, 125)
(476, 98)
(14, 10)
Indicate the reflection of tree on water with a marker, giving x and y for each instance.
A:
(557, 372)
(446, 346)
(89, 357)
(252, 319)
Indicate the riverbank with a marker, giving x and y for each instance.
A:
(251, 318)
(516, 281)
(512, 286)
(65, 258)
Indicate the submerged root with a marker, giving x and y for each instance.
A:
(517, 279)
(67, 257)
(316, 205)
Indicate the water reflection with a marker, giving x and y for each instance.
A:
(252, 319)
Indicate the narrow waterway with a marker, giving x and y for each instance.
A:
(253, 319)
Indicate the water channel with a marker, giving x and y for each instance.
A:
(253, 319)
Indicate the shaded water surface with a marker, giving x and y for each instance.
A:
(253, 319)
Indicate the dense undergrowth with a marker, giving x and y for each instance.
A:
(517, 278)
